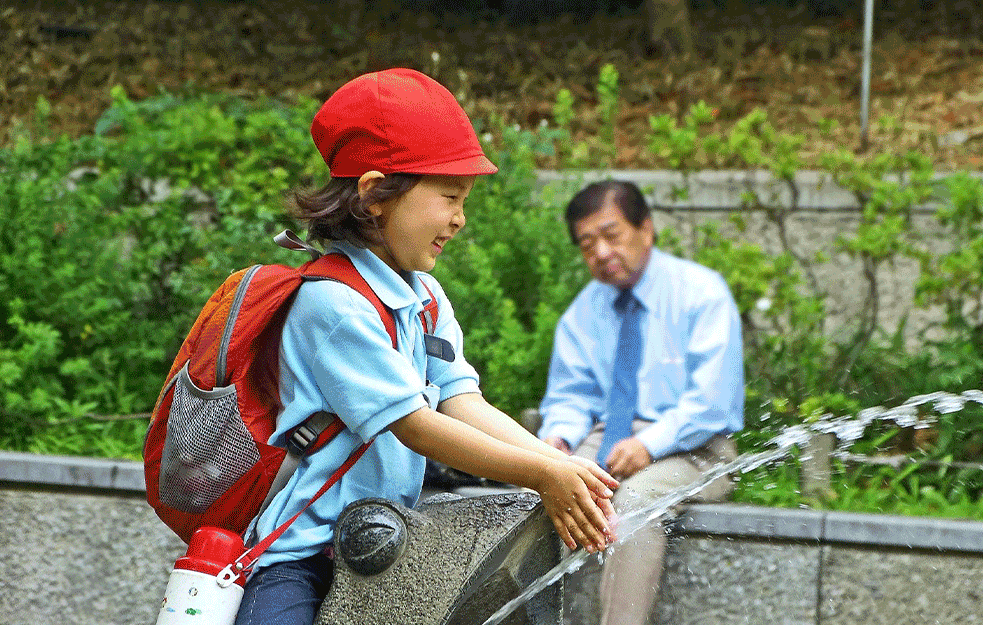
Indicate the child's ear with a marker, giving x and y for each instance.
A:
(368, 180)
(366, 183)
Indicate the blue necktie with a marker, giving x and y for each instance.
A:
(624, 389)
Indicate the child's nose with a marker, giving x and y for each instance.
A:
(458, 220)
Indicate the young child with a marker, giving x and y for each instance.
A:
(403, 157)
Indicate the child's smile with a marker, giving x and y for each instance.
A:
(438, 244)
(417, 225)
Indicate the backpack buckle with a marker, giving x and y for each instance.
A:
(301, 439)
(310, 431)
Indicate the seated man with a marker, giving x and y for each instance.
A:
(646, 377)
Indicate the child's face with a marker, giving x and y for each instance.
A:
(417, 225)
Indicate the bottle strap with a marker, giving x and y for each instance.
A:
(244, 563)
(317, 431)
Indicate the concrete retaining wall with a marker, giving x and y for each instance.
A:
(730, 564)
(81, 546)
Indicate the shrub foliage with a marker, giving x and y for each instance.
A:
(113, 241)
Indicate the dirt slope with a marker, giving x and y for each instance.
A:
(804, 71)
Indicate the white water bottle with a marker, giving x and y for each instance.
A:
(203, 589)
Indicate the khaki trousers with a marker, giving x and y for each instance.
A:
(632, 571)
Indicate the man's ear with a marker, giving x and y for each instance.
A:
(366, 183)
(648, 229)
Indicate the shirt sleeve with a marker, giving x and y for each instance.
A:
(713, 401)
(573, 394)
(457, 377)
(335, 345)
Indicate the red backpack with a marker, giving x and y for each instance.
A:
(206, 457)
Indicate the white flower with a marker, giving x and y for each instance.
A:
(763, 304)
(487, 137)
(435, 57)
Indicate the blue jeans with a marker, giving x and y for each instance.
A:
(287, 593)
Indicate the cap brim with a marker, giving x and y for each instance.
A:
(477, 165)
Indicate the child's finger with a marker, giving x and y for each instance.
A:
(596, 471)
(569, 531)
(607, 508)
(582, 537)
(592, 510)
(561, 529)
(605, 477)
(590, 520)
(597, 487)
(592, 537)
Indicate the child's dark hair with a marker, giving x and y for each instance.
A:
(337, 213)
(625, 195)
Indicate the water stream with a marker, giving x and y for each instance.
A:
(847, 430)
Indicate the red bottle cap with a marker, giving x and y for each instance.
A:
(211, 549)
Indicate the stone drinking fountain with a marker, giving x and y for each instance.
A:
(449, 561)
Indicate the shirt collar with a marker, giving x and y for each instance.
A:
(646, 283)
(390, 286)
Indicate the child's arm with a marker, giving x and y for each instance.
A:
(568, 489)
(474, 410)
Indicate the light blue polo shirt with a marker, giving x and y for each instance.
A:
(336, 356)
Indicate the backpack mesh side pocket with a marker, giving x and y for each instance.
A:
(207, 448)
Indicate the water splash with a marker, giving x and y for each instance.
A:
(657, 510)
(846, 429)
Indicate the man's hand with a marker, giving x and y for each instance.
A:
(627, 458)
(557, 442)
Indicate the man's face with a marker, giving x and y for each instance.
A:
(614, 249)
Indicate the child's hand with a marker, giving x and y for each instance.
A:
(602, 499)
(571, 494)
(597, 471)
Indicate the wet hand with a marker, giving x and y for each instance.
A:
(568, 492)
(627, 457)
(603, 497)
(605, 478)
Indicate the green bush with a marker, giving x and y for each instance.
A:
(113, 241)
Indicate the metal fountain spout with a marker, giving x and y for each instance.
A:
(450, 561)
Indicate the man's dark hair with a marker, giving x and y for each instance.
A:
(625, 195)
(337, 213)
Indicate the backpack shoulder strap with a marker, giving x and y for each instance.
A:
(340, 268)
(430, 313)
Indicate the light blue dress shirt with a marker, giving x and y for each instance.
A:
(691, 379)
(336, 356)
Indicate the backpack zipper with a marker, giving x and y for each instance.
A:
(230, 322)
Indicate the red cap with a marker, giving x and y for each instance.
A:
(397, 121)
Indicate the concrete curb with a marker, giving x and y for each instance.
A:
(833, 527)
(126, 478)
(70, 472)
